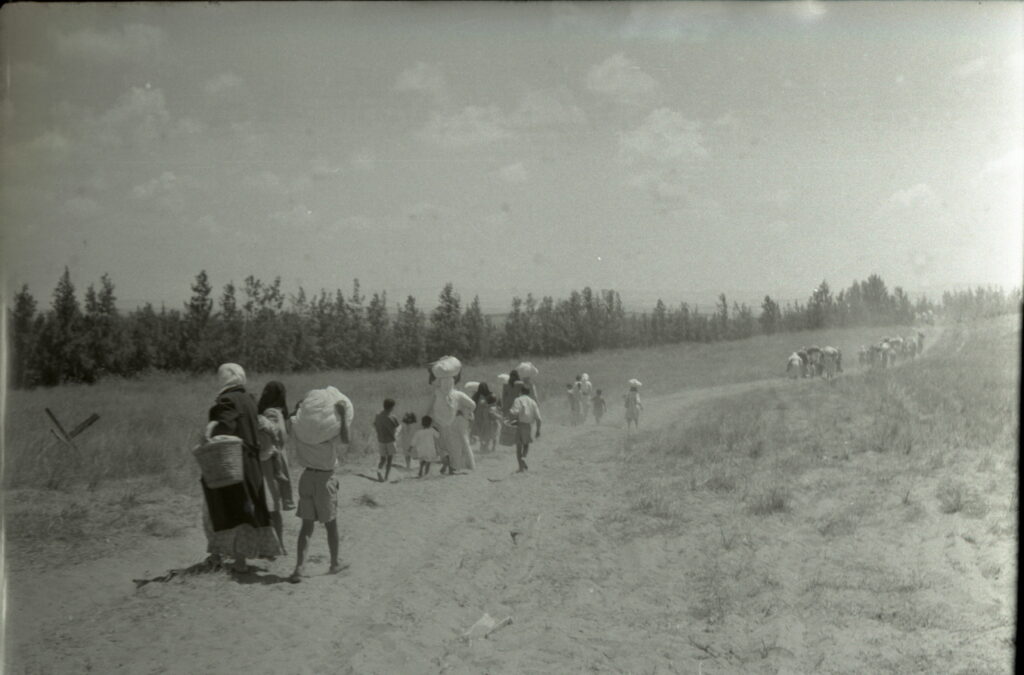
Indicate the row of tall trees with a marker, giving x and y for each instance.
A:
(267, 330)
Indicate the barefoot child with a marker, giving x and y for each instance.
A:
(599, 405)
(403, 439)
(424, 445)
(318, 486)
(385, 425)
(525, 412)
(633, 405)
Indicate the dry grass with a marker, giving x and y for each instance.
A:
(148, 426)
(869, 475)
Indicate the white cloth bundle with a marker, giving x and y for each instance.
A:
(503, 378)
(316, 420)
(635, 383)
(526, 370)
(446, 366)
(471, 387)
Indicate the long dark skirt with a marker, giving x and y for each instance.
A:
(236, 518)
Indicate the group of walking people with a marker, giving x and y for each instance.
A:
(244, 520)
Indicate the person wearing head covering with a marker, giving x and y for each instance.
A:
(483, 422)
(633, 405)
(451, 411)
(586, 392)
(509, 391)
(273, 432)
(237, 518)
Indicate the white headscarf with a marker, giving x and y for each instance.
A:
(230, 375)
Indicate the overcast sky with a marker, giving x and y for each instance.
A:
(662, 149)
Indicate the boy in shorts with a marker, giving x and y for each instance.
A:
(385, 425)
(318, 494)
(525, 412)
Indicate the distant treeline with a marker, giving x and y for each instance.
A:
(259, 327)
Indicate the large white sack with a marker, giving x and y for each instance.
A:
(446, 366)
(526, 370)
(471, 387)
(316, 420)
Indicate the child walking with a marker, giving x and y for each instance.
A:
(599, 405)
(633, 405)
(424, 444)
(385, 425)
(403, 439)
(525, 412)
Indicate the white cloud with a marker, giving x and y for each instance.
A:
(263, 181)
(673, 21)
(781, 197)
(514, 173)
(81, 207)
(222, 83)
(1007, 165)
(165, 182)
(664, 136)
(618, 77)
(970, 68)
(423, 213)
(140, 115)
(915, 196)
(364, 160)
(473, 125)
(323, 169)
(1015, 60)
(299, 216)
(423, 77)
(164, 191)
(547, 108)
(50, 142)
(728, 119)
(132, 41)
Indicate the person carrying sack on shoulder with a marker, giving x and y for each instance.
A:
(318, 486)
(525, 412)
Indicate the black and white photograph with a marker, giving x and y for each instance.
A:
(473, 338)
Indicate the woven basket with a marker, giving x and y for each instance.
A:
(220, 460)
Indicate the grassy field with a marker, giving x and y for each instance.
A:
(148, 425)
(876, 518)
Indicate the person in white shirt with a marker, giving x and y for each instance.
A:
(318, 493)
(525, 412)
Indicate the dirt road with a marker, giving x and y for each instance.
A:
(425, 565)
(590, 585)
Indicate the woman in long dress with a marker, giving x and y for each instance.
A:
(483, 424)
(452, 412)
(237, 519)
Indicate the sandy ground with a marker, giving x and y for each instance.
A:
(591, 587)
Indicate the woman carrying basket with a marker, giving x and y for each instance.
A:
(237, 519)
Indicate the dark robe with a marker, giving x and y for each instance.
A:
(243, 503)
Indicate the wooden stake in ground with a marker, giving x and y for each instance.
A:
(67, 437)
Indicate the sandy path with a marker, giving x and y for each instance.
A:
(426, 565)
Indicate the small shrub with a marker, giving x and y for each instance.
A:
(773, 500)
(654, 501)
(366, 500)
(951, 496)
(720, 481)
